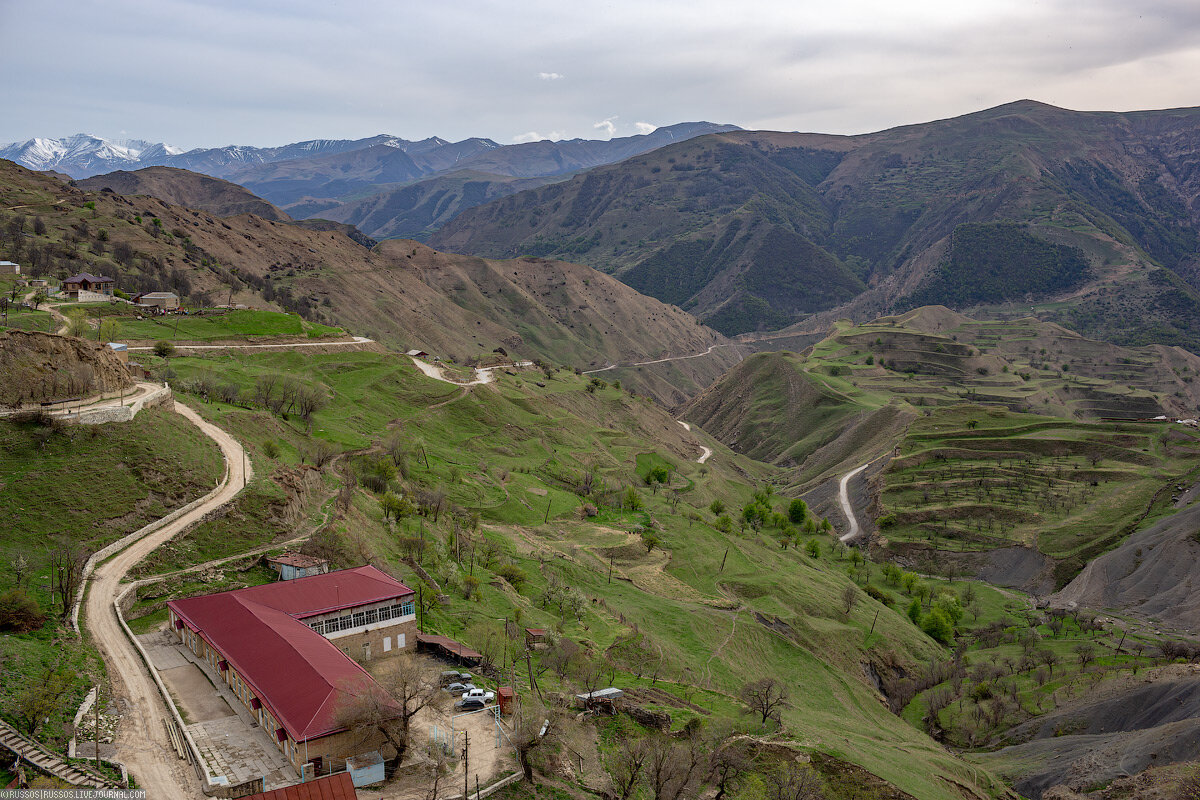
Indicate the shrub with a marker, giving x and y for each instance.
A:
(271, 448)
(515, 576)
(880, 595)
(19, 613)
(938, 625)
(164, 349)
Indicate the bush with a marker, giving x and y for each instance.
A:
(515, 576)
(271, 448)
(938, 625)
(880, 595)
(20, 613)
(164, 349)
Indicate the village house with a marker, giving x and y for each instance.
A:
(165, 301)
(10, 268)
(78, 287)
(285, 649)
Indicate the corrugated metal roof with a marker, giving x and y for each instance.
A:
(330, 787)
(301, 676)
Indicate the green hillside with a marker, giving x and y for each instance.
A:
(527, 493)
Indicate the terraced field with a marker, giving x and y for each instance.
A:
(977, 478)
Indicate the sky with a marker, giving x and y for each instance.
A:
(207, 73)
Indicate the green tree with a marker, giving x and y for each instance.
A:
(938, 626)
(717, 507)
(914, 611)
(813, 548)
(797, 511)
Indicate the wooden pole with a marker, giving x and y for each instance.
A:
(466, 770)
(96, 726)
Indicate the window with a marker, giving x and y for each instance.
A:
(399, 641)
(372, 616)
(360, 618)
(387, 644)
(406, 608)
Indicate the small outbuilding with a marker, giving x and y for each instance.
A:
(166, 301)
(447, 648)
(10, 268)
(535, 637)
(417, 354)
(297, 565)
(507, 698)
(122, 350)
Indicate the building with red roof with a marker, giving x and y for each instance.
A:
(331, 787)
(285, 649)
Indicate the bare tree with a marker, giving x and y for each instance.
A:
(387, 707)
(849, 597)
(766, 697)
(729, 763)
(793, 781)
(626, 768)
(527, 733)
(673, 769)
(66, 572)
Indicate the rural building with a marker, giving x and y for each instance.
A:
(297, 565)
(331, 787)
(86, 282)
(447, 648)
(167, 301)
(285, 651)
(417, 354)
(10, 268)
(535, 637)
(122, 351)
(37, 283)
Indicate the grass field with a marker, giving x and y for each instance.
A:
(697, 615)
(220, 325)
(81, 487)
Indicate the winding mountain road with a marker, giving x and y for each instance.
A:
(482, 374)
(705, 452)
(141, 741)
(847, 509)
(659, 360)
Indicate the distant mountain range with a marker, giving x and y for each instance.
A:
(374, 183)
(1006, 208)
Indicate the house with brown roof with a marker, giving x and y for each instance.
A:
(87, 282)
(285, 650)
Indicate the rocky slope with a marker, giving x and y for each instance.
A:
(183, 188)
(400, 292)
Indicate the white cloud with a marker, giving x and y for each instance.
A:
(645, 127)
(550, 76)
(607, 126)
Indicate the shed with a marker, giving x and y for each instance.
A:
(417, 354)
(122, 350)
(297, 565)
(535, 636)
(366, 769)
(507, 699)
(446, 647)
(600, 696)
(167, 301)
(10, 268)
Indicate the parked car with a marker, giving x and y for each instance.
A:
(454, 676)
(470, 704)
(457, 688)
(475, 692)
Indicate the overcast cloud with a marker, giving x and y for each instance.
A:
(215, 72)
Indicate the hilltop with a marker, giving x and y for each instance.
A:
(182, 188)
(762, 230)
(400, 293)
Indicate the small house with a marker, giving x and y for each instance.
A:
(600, 697)
(417, 354)
(38, 283)
(535, 637)
(297, 565)
(121, 350)
(166, 301)
(10, 268)
(338, 786)
(80, 286)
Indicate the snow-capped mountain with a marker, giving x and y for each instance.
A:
(83, 154)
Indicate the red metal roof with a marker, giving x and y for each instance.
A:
(331, 787)
(449, 645)
(302, 677)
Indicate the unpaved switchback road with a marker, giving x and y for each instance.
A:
(847, 509)
(141, 740)
(659, 360)
(706, 452)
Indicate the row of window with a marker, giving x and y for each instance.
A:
(360, 618)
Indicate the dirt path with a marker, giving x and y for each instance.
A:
(844, 499)
(141, 739)
(659, 360)
(482, 374)
(705, 452)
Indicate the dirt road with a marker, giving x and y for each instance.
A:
(285, 346)
(482, 374)
(659, 360)
(706, 452)
(847, 509)
(141, 739)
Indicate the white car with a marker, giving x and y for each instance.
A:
(476, 693)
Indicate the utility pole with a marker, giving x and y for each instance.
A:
(96, 726)
(466, 770)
